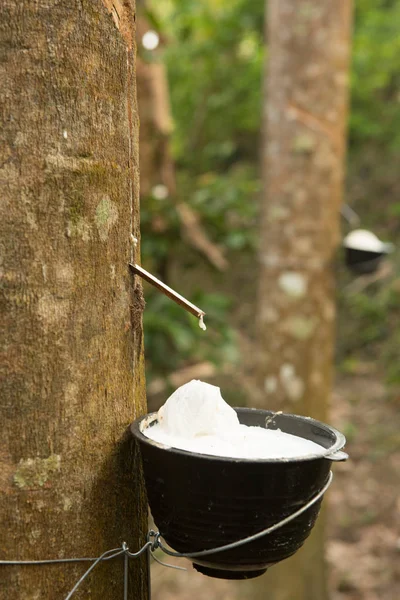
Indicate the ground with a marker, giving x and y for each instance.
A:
(363, 547)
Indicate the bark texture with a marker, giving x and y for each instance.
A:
(73, 381)
(303, 157)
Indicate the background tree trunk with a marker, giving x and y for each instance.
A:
(303, 156)
(156, 162)
(73, 381)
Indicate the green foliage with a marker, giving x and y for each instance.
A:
(172, 335)
(370, 325)
(375, 83)
(214, 62)
(369, 328)
(227, 204)
(374, 132)
(160, 230)
(214, 54)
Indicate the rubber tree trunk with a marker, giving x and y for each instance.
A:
(156, 163)
(70, 478)
(303, 156)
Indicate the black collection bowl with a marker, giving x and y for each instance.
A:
(200, 501)
(363, 261)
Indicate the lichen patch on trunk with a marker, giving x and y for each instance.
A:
(105, 217)
(36, 472)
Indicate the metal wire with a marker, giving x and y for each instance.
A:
(148, 544)
(164, 564)
(250, 538)
(108, 555)
(126, 575)
(54, 560)
(154, 541)
(86, 573)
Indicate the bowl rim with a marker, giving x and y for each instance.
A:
(145, 420)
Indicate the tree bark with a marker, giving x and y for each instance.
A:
(303, 157)
(70, 483)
